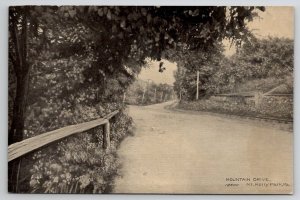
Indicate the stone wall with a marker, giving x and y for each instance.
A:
(277, 105)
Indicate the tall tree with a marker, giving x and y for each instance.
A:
(18, 57)
(256, 59)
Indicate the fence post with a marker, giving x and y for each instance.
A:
(258, 97)
(106, 135)
(197, 92)
(143, 95)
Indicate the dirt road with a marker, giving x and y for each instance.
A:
(183, 152)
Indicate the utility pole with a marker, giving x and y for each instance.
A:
(143, 94)
(180, 95)
(197, 92)
(155, 95)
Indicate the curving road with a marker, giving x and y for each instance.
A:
(188, 152)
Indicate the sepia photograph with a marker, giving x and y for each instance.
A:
(150, 99)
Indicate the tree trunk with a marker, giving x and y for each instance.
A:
(17, 126)
(21, 69)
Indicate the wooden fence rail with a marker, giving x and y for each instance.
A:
(23, 147)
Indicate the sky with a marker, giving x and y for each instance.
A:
(275, 21)
(157, 77)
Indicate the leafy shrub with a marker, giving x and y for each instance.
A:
(270, 107)
(75, 165)
(79, 164)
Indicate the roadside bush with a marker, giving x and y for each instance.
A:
(75, 165)
(79, 164)
(270, 108)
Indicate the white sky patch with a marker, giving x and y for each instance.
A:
(230, 48)
(276, 21)
(152, 72)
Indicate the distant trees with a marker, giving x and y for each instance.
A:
(266, 57)
(255, 59)
(144, 93)
(206, 63)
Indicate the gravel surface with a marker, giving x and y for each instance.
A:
(183, 152)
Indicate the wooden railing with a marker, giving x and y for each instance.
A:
(23, 147)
